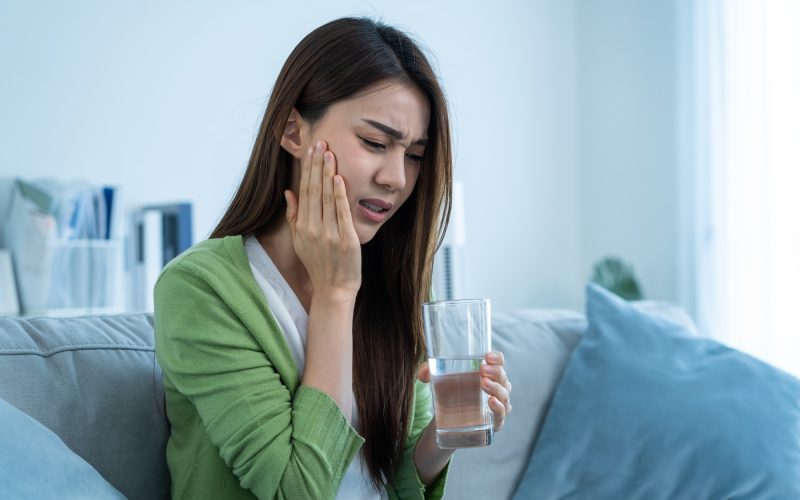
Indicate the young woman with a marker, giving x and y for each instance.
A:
(291, 341)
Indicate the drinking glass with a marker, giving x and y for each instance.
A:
(458, 334)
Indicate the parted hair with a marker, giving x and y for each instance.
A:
(335, 62)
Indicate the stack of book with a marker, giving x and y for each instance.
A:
(160, 233)
(65, 242)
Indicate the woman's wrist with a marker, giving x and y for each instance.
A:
(334, 296)
(429, 459)
(329, 348)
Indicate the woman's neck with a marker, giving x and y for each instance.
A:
(278, 245)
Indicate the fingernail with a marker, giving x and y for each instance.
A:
(319, 146)
(492, 356)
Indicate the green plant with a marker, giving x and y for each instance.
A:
(614, 274)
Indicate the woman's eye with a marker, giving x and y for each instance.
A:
(374, 145)
(416, 158)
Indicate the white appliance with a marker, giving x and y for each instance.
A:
(449, 272)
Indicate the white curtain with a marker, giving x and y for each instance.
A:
(747, 175)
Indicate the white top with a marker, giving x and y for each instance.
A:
(293, 320)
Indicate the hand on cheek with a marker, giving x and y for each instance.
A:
(323, 235)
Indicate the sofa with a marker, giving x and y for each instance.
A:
(95, 383)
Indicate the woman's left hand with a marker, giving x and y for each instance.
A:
(495, 383)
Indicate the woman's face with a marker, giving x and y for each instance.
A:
(378, 138)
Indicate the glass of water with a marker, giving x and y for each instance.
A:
(458, 334)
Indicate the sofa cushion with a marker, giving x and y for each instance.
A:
(646, 410)
(535, 345)
(94, 381)
(35, 463)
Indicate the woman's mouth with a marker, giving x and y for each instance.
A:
(374, 210)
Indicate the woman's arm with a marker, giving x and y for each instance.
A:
(325, 241)
(329, 348)
(220, 351)
(408, 478)
(429, 459)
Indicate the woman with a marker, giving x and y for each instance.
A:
(296, 329)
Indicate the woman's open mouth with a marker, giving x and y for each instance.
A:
(374, 210)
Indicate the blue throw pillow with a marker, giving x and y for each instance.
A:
(646, 410)
(35, 463)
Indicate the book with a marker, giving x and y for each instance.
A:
(161, 233)
(176, 229)
(9, 303)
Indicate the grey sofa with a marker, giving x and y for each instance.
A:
(94, 381)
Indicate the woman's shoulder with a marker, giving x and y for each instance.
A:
(210, 249)
(211, 258)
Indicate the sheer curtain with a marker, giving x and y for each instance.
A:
(746, 105)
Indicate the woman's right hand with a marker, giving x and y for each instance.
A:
(323, 234)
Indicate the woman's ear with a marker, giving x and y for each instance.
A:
(294, 133)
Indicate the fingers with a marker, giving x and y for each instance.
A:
(319, 215)
(496, 374)
(495, 358)
(499, 413)
(314, 189)
(305, 176)
(328, 202)
(494, 368)
(344, 219)
(498, 392)
(494, 381)
(499, 401)
(424, 373)
(317, 199)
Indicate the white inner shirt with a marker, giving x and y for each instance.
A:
(293, 320)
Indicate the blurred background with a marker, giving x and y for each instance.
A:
(663, 133)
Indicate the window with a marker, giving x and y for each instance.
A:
(746, 145)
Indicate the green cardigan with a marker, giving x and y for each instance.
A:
(242, 425)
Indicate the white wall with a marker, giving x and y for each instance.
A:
(561, 114)
(516, 113)
(628, 99)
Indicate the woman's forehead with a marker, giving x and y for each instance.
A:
(401, 108)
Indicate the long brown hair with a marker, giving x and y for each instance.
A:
(332, 63)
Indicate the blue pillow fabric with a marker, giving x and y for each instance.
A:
(646, 410)
(35, 463)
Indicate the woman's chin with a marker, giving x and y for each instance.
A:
(364, 239)
(366, 234)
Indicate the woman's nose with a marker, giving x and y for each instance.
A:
(392, 173)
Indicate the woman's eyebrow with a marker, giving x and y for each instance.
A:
(395, 134)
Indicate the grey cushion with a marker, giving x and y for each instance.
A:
(94, 381)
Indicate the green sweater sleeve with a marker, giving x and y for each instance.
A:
(279, 443)
(407, 482)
